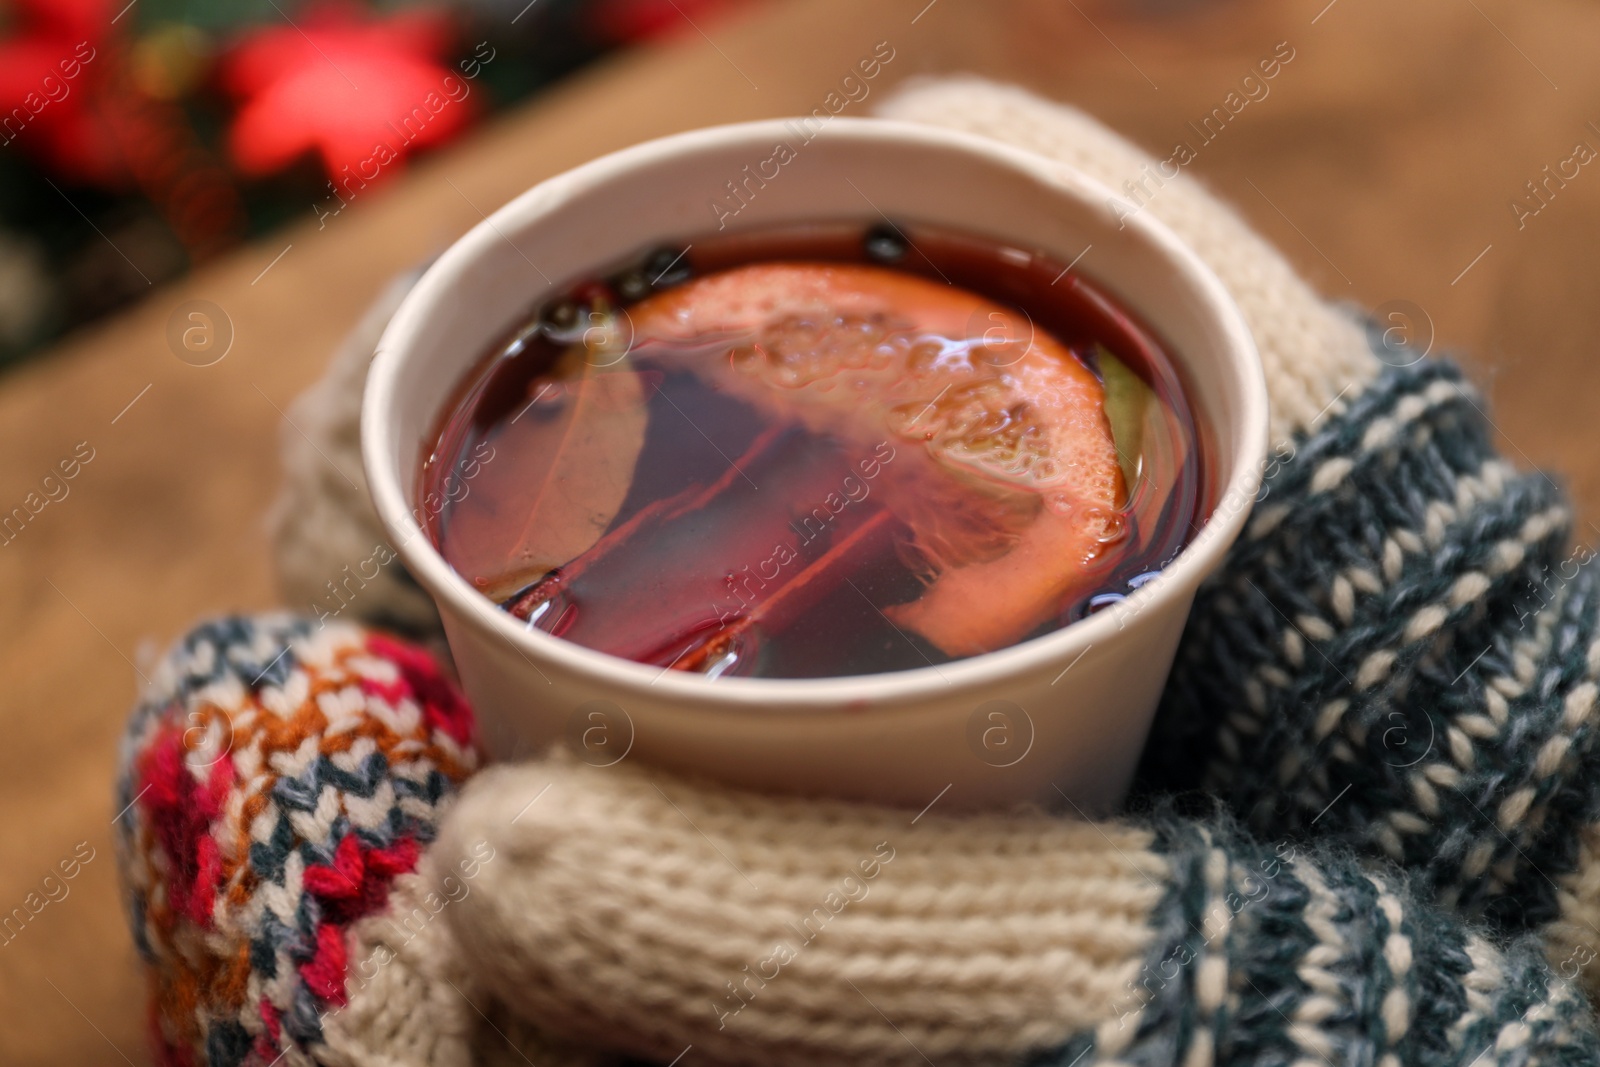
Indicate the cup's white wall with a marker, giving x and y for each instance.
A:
(1032, 736)
(899, 737)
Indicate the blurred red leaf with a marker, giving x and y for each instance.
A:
(48, 73)
(360, 94)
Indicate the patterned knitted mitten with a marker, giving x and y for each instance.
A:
(281, 783)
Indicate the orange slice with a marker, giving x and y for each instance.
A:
(1010, 484)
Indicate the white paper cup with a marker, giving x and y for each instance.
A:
(1068, 711)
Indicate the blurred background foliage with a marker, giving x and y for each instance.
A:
(138, 139)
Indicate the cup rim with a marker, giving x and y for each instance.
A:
(1198, 557)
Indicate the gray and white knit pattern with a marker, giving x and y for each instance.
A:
(1402, 655)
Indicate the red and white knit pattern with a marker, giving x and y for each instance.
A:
(277, 779)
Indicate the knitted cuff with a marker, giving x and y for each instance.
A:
(647, 916)
(1401, 654)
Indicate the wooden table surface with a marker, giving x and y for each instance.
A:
(1384, 161)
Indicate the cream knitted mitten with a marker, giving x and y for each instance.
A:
(640, 915)
(324, 529)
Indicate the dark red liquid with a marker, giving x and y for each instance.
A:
(640, 501)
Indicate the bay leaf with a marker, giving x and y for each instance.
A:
(1127, 401)
(575, 465)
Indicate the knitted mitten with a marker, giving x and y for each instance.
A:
(329, 545)
(281, 782)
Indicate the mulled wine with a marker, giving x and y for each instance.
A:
(822, 450)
